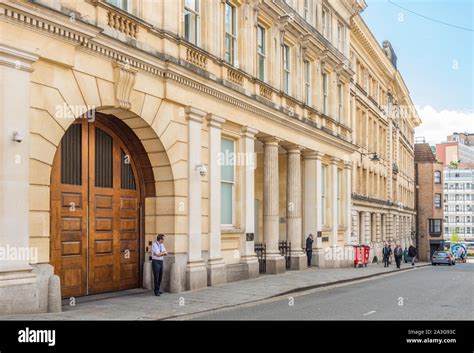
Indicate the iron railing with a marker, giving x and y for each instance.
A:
(261, 251)
(285, 251)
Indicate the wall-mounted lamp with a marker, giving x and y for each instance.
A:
(17, 137)
(201, 168)
(375, 157)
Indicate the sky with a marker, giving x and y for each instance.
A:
(435, 60)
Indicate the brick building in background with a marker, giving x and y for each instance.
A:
(429, 195)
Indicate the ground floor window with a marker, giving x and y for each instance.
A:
(435, 226)
(227, 182)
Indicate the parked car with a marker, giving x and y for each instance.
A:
(442, 257)
(453, 257)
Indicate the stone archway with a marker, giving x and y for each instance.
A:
(158, 180)
(100, 178)
(59, 96)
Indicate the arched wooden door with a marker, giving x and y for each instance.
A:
(95, 212)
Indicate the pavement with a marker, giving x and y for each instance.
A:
(430, 293)
(140, 304)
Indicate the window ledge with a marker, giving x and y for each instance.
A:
(231, 230)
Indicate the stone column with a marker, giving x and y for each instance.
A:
(309, 196)
(275, 262)
(216, 270)
(390, 226)
(360, 227)
(396, 228)
(293, 209)
(347, 260)
(348, 201)
(247, 244)
(355, 226)
(318, 253)
(334, 214)
(319, 196)
(17, 282)
(196, 272)
(402, 229)
(378, 220)
(367, 228)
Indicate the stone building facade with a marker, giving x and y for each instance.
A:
(383, 122)
(219, 124)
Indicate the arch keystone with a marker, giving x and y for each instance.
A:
(124, 82)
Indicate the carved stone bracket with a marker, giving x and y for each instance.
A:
(305, 43)
(124, 82)
(283, 23)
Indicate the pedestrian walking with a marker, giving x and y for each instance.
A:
(309, 248)
(158, 251)
(412, 252)
(398, 253)
(387, 251)
(405, 254)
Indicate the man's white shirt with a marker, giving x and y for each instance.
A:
(157, 248)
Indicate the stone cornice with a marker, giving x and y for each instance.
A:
(360, 31)
(46, 20)
(355, 7)
(16, 58)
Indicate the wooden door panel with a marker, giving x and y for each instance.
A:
(102, 238)
(129, 226)
(69, 212)
(95, 213)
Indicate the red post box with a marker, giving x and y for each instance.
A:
(358, 255)
(366, 254)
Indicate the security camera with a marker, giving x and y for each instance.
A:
(17, 137)
(202, 169)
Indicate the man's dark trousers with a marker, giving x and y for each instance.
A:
(398, 260)
(386, 260)
(157, 266)
(309, 254)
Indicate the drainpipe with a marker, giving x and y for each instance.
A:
(417, 242)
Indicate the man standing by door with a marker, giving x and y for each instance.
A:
(158, 251)
(309, 248)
